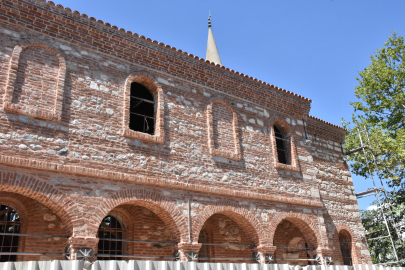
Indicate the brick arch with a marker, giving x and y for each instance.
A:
(243, 217)
(309, 229)
(282, 124)
(347, 232)
(292, 151)
(45, 194)
(150, 82)
(167, 212)
(54, 113)
(17, 205)
(236, 153)
(124, 215)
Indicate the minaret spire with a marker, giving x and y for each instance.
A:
(212, 51)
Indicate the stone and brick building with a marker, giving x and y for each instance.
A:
(106, 135)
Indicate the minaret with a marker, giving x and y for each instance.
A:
(212, 51)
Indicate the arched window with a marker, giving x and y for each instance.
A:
(142, 109)
(110, 228)
(281, 142)
(9, 223)
(345, 247)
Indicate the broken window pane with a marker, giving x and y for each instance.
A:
(281, 143)
(142, 109)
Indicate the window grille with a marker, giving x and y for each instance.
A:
(282, 144)
(110, 227)
(142, 109)
(9, 223)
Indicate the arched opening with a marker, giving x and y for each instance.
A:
(131, 231)
(111, 228)
(224, 240)
(10, 223)
(294, 242)
(142, 109)
(29, 217)
(281, 145)
(345, 241)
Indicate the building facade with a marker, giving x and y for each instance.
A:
(124, 147)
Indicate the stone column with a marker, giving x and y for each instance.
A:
(266, 253)
(189, 251)
(82, 248)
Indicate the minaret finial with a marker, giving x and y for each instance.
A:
(212, 50)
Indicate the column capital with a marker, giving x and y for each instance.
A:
(189, 251)
(82, 248)
(265, 254)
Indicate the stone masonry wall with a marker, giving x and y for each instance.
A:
(64, 143)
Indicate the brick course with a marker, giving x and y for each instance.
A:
(67, 151)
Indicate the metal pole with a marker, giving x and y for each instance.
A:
(224, 258)
(134, 256)
(34, 235)
(382, 186)
(138, 241)
(31, 253)
(292, 259)
(306, 248)
(378, 197)
(239, 245)
(189, 215)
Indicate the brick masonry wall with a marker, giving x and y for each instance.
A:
(37, 77)
(81, 166)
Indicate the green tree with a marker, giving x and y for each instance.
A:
(381, 109)
(373, 222)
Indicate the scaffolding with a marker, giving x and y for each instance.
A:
(365, 145)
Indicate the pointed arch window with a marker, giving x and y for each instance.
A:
(9, 223)
(110, 228)
(142, 109)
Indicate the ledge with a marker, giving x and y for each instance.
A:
(36, 113)
(143, 136)
(155, 181)
(225, 154)
(287, 167)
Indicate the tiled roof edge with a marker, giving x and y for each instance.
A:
(83, 15)
(330, 124)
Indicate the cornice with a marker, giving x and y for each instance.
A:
(30, 163)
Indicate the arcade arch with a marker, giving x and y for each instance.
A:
(23, 215)
(152, 227)
(294, 239)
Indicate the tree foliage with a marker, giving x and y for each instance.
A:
(373, 222)
(381, 108)
(379, 112)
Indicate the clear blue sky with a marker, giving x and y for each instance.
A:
(311, 47)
